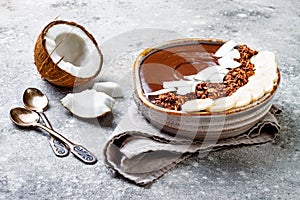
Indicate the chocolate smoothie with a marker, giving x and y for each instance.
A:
(173, 63)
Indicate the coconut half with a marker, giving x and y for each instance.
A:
(88, 103)
(67, 55)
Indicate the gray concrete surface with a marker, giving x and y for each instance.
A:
(28, 167)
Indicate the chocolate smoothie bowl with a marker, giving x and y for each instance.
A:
(204, 88)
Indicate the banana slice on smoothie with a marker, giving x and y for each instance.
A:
(242, 97)
(222, 104)
(197, 105)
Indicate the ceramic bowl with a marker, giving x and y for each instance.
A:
(198, 125)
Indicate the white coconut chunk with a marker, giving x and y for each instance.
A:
(110, 88)
(225, 48)
(190, 77)
(172, 84)
(228, 60)
(214, 73)
(222, 104)
(88, 103)
(162, 91)
(185, 90)
(197, 105)
(242, 97)
(216, 78)
(74, 51)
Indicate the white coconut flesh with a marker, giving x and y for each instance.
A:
(88, 103)
(110, 88)
(73, 50)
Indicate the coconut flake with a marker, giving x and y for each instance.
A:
(190, 77)
(172, 84)
(185, 90)
(225, 48)
(88, 103)
(214, 73)
(110, 88)
(228, 60)
(162, 91)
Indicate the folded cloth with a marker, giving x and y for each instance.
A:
(141, 153)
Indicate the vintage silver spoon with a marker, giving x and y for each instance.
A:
(27, 118)
(35, 100)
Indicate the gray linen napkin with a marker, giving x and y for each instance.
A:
(140, 153)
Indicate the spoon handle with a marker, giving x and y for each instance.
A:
(57, 145)
(45, 119)
(79, 151)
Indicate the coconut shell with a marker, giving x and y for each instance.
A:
(50, 70)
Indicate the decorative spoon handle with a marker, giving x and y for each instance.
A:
(58, 147)
(79, 151)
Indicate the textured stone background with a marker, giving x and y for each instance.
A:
(28, 168)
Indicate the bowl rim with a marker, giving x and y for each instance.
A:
(182, 41)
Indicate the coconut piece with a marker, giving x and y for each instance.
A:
(214, 73)
(197, 105)
(88, 103)
(162, 91)
(185, 90)
(225, 48)
(110, 88)
(172, 84)
(66, 54)
(228, 60)
(190, 77)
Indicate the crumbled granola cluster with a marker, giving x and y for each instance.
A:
(233, 80)
(172, 101)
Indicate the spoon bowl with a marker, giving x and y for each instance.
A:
(27, 118)
(24, 117)
(35, 100)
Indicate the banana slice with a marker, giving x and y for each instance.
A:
(197, 105)
(225, 48)
(222, 104)
(242, 97)
(257, 93)
(268, 86)
(263, 75)
(263, 58)
(255, 89)
(264, 81)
